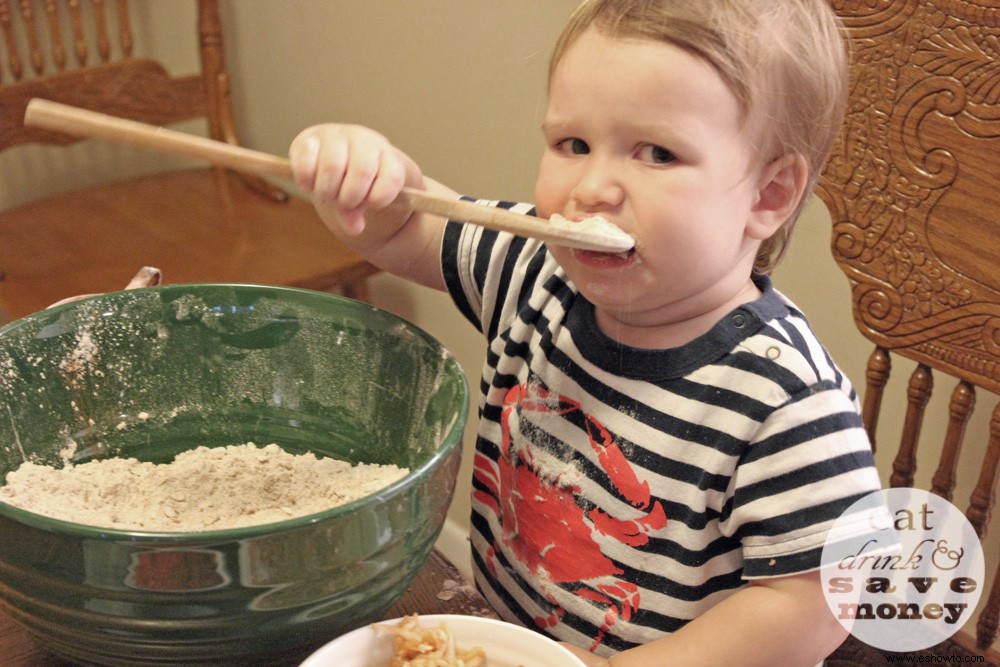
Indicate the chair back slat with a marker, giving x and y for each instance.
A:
(125, 40)
(58, 49)
(989, 620)
(79, 34)
(101, 65)
(221, 125)
(963, 401)
(35, 54)
(14, 64)
(176, 99)
(984, 494)
(877, 375)
(918, 394)
(983, 497)
(101, 28)
(39, 36)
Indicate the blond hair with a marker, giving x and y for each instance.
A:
(784, 60)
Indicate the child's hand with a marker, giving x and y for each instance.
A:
(355, 177)
(349, 170)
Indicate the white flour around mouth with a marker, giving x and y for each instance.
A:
(202, 489)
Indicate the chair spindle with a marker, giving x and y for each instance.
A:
(14, 63)
(877, 375)
(79, 36)
(918, 394)
(125, 40)
(988, 627)
(963, 401)
(36, 56)
(58, 49)
(101, 29)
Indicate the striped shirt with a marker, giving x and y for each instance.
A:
(619, 492)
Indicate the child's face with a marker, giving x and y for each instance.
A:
(650, 137)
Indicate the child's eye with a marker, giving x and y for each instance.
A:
(574, 146)
(656, 154)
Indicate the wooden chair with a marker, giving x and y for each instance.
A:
(914, 193)
(197, 225)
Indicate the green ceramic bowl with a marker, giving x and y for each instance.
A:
(149, 373)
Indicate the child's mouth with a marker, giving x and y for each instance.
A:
(605, 260)
(612, 236)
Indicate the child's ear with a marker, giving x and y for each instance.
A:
(781, 188)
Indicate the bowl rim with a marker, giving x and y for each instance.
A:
(320, 654)
(452, 439)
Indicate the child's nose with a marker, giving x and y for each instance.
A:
(599, 184)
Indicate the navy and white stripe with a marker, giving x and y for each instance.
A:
(749, 439)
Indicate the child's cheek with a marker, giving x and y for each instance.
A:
(552, 188)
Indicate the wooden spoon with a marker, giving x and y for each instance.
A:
(148, 276)
(592, 234)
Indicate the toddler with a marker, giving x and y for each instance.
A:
(663, 442)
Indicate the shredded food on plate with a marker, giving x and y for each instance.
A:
(416, 646)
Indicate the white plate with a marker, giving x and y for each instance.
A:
(506, 645)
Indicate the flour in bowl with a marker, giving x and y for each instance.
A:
(201, 489)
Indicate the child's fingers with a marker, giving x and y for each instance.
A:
(391, 179)
(353, 220)
(303, 154)
(347, 170)
(331, 168)
(358, 169)
(319, 157)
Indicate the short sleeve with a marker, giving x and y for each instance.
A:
(486, 272)
(810, 462)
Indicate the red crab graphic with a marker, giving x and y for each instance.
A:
(545, 529)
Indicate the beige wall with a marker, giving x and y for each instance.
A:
(461, 86)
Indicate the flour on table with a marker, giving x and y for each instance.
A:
(201, 489)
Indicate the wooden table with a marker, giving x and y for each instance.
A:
(438, 589)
